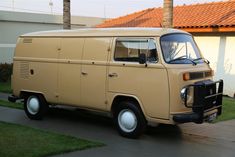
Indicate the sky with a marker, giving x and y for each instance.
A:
(95, 8)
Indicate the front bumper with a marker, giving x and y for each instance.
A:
(13, 98)
(207, 101)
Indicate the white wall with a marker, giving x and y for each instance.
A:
(13, 24)
(9, 32)
(220, 51)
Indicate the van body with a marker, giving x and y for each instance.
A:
(139, 75)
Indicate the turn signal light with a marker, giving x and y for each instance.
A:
(209, 73)
(212, 72)
(186, 76)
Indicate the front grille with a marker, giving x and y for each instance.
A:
(199, 75)
(196, 75)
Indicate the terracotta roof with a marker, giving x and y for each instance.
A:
(215, 14)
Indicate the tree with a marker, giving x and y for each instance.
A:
(66, 15)
(168, 14)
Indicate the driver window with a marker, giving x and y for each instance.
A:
(130, 49)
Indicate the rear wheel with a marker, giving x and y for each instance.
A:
(129, 120)
(35, 107)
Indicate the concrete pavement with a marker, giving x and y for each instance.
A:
(4, 96)
(220, 131)
(210, 140)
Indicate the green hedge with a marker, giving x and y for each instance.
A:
(5, 72)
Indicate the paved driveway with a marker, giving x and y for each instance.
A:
(162, 141)
(4, 96)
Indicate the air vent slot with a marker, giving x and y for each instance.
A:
(24, 70)
(27, 40)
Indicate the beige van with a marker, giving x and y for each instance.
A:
(140, 76)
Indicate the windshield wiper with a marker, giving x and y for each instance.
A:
(204, 60)
(183, 58)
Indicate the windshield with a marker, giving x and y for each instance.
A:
(180, 49)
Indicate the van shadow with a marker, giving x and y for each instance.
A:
(165, 132)
(100, 122)
(81, 116)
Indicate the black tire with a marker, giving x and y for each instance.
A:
(41, 109)
(133, 109)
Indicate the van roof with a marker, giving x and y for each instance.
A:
(135, 31)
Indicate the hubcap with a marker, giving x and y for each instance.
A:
(33, 105)
(127, 120)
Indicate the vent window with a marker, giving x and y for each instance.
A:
(130, 49)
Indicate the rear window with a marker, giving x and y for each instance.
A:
(130, 49)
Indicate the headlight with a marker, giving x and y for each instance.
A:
(183, 94)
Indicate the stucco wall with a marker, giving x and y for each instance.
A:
(220, 51)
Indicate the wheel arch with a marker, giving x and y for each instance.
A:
(119, 98)
(25, 94)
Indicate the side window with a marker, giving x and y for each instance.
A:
(130, 49)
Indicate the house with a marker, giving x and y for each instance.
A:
(13, 24)
(213, 27)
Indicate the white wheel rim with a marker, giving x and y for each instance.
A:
(33, 105)
(127, 120)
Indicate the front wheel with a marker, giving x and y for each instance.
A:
(129, 120)
(35, 107)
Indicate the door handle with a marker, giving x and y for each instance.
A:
(84, 73)
(113, 75)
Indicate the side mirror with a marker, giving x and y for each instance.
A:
(142, 58)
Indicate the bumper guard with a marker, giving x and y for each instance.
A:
(207, 97)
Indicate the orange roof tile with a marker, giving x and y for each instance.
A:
(215, 14)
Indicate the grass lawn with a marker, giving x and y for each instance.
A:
(228, 111)
(5, 87)
(11, 105)
(17, 140)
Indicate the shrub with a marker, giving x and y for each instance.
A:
(5, 72)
